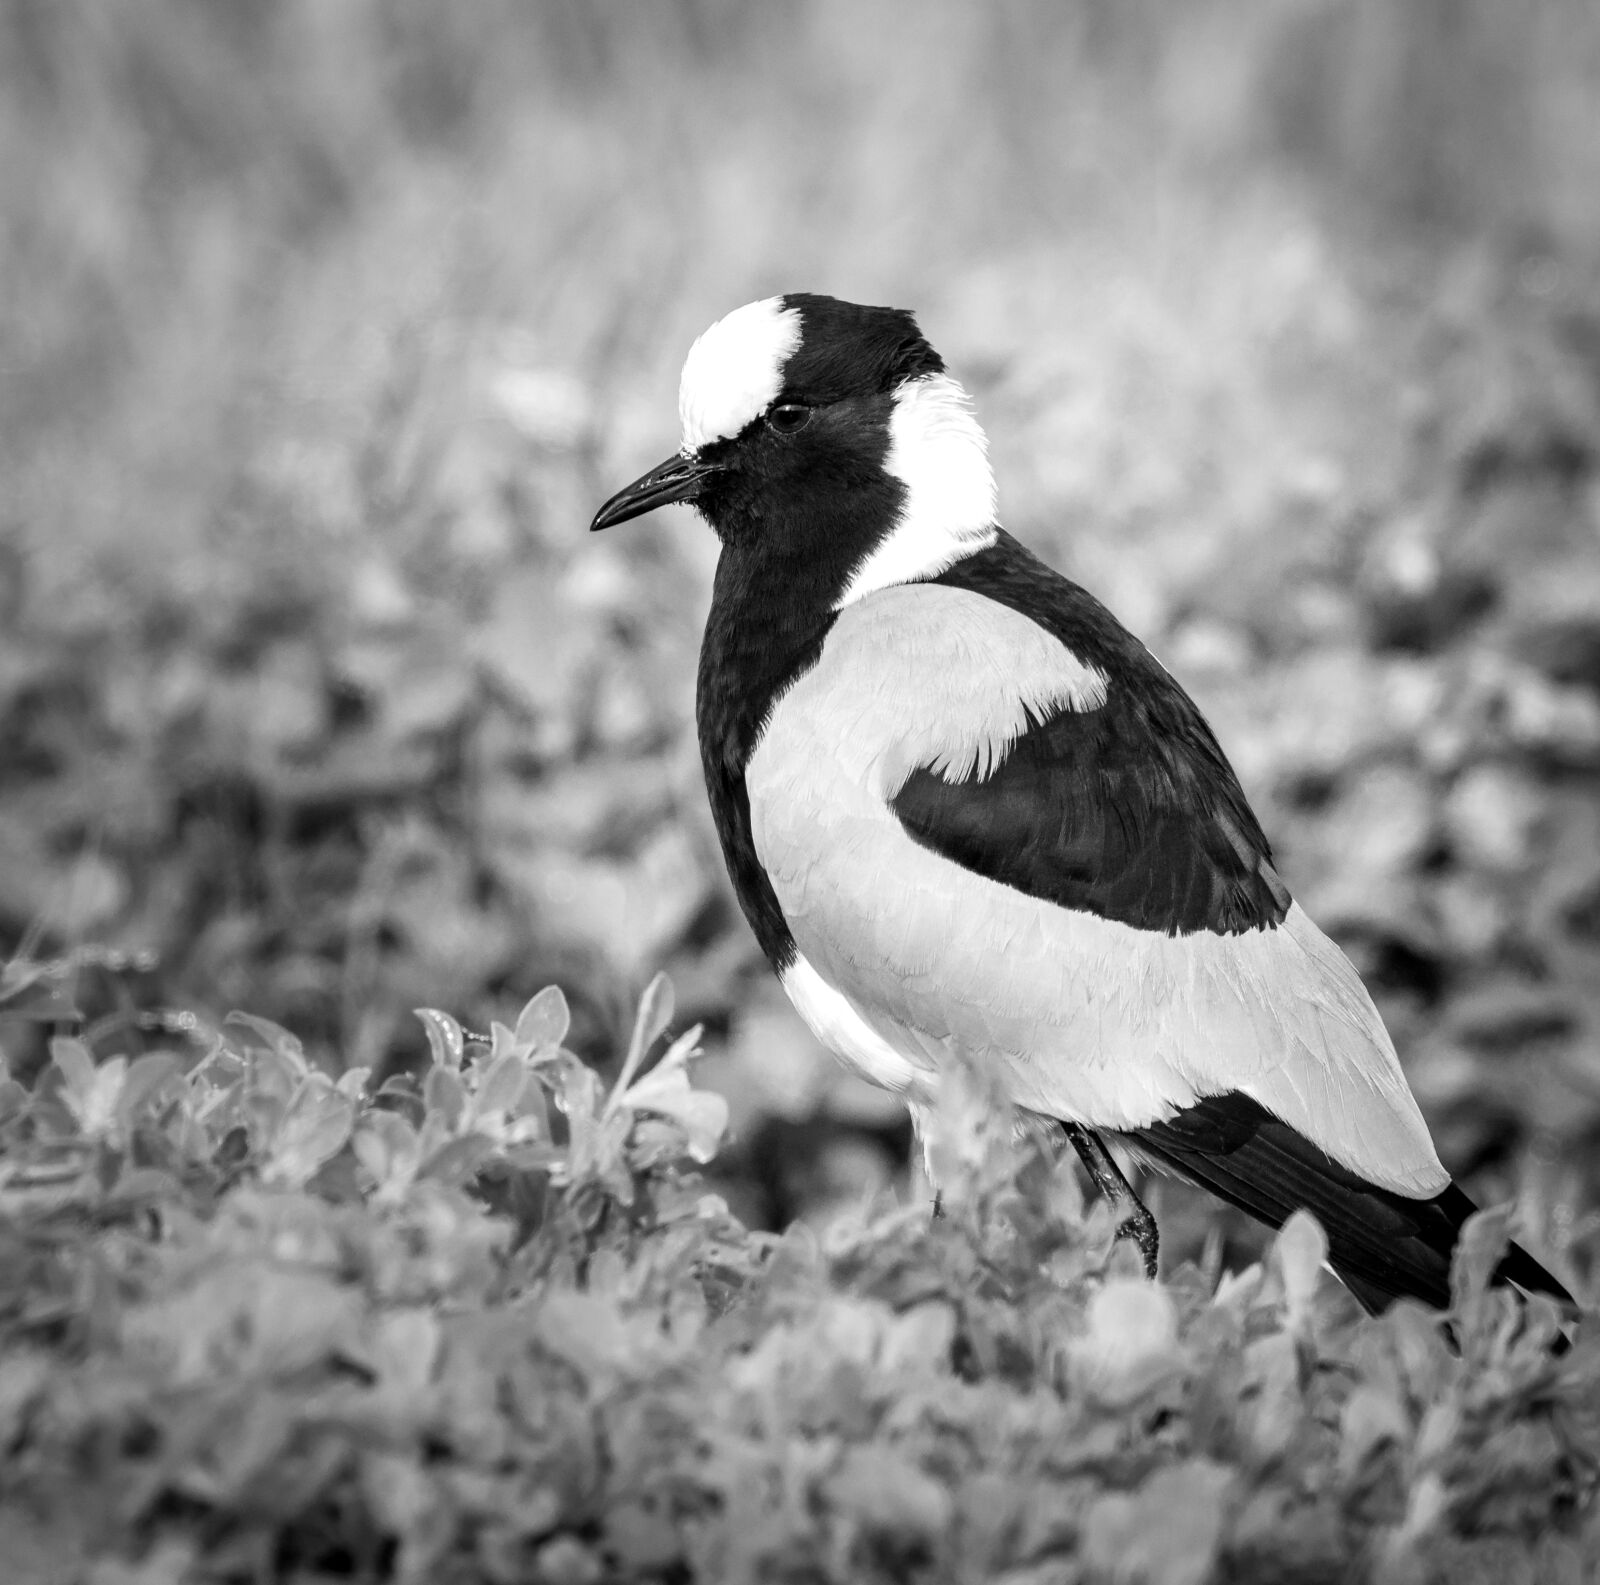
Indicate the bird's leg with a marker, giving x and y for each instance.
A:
(1138, 1224)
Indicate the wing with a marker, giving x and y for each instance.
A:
(1130, 811)
(1111, 814)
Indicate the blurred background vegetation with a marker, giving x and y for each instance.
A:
(325, 325)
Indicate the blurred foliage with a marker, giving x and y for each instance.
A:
(326, 325)
(259, 1323)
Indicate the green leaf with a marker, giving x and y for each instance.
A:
(444, 1096)
(1374, 1415)
(655, 1011)
(1479, 1250)
(567, 1561)
(313, 1129)
(405, 1346)
(457, 1159)
(889, 1494)
(1298, 1253)
(701, 1114)
(90, 1093)
(649, 1024)
(503, 1042)
(543, 1023)
(72, 1057)
(500, 1088)
(145, 1077)
(446, 1041)
(274, 1037)
(590, 1332)
(1131, 1343)
(274, 1075)
(643, 1539)
(36, 992)
(1273, 1409)
(580, 1093)
(388, 1147)
(1166, 1533)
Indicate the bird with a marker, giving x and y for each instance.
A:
(970, 817)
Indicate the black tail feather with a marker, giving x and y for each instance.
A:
(1383, 1245)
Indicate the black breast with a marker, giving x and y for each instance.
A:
(758, 639)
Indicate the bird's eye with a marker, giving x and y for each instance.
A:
(788, 418)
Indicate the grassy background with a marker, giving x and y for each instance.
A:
(326, 323)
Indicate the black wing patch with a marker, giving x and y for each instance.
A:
(1383, 1245)
(1129, 811)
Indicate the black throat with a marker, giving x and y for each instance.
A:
(772, 604)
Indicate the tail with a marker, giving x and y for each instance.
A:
(1383, 1246)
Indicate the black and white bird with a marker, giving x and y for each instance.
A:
(970, 817)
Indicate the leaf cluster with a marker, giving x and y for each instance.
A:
(258, 1323)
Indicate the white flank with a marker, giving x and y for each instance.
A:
(735, 370)
(938, 451)
(837, 1024)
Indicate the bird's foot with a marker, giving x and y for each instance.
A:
(1139, 1226)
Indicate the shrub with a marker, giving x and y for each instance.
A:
(260, 1323)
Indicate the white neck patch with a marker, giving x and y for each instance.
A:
(940, 454)
(734, 370)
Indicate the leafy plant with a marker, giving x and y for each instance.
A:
(258, 1322)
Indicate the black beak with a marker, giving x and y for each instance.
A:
(677, 479)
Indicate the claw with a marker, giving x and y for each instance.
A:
(1140, 1227)
(1138, 1224)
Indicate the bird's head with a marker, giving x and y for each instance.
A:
(818, 429)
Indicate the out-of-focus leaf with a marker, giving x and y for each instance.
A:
(444, 1095)
(274, 1037)
(1166, 1533)
(91, 1093)
(1373, 1416)
(1130, 1344)
(387, 1146)
(500, 1088)
(1298, 1252)
(405, 1346)
(75, 1062)
(312, 1130)
(1273, 1409)
(580, 1092)
(1478, 1251)
(146, 1075)
(567, 1561)
(34, 991)
(887, 1493)
(457, 1159)
(701, 1114)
